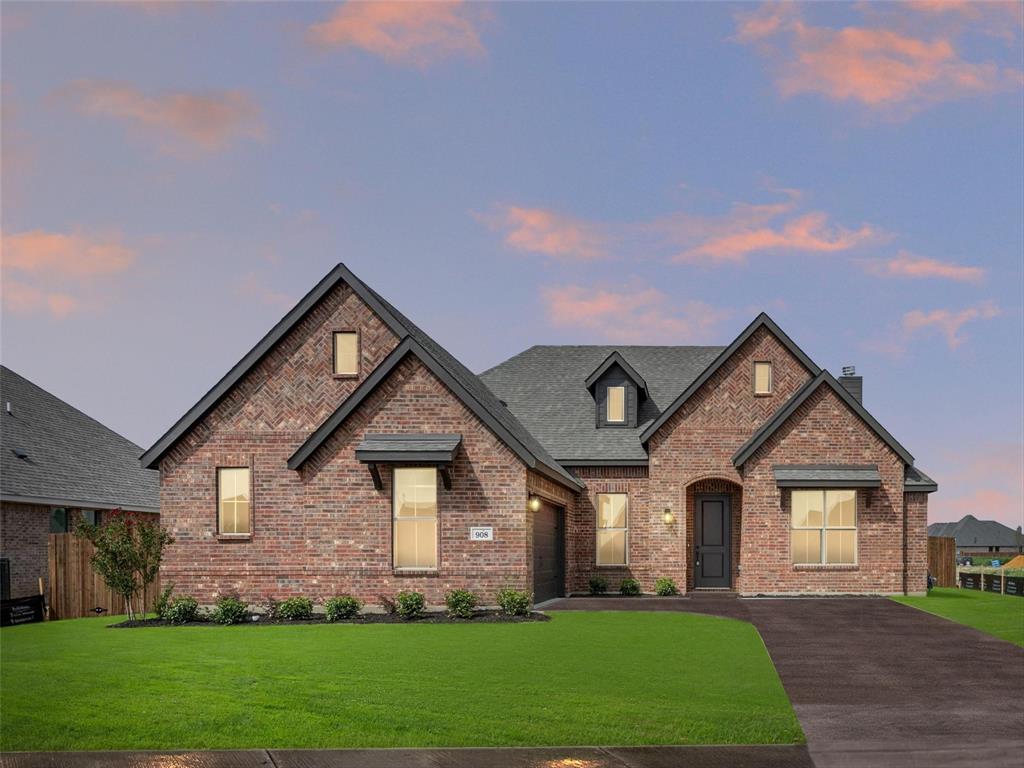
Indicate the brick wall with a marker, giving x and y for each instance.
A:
(23, 532)
(326, 530)
(916, 505)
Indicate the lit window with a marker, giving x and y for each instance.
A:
(824, 527)
(233, 503)
(762, 378)
(346, 353)
(415, 513)
(616, 404)
(612, 528)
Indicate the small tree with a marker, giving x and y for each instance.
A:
(128, 554)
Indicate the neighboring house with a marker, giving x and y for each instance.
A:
(57, 465)
(349, 452)
(974, 536)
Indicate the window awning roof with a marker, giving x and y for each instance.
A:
(408, 449)
(827, 475)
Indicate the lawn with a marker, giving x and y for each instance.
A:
(582, 678)
(998, 615)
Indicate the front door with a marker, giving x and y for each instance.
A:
(548, 553)
(711, 534)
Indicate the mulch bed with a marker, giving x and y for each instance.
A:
(481, 617)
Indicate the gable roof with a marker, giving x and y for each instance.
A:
(411, 346)
(455, 375)
(544, 386)
(208, 402)
(824, 378)
(615, 358)
(969, 531)
(54, 454)
(761, 321)
(916, 480)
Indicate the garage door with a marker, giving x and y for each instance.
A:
(548, 553)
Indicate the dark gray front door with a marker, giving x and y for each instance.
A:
(548, 553)
(711, 534)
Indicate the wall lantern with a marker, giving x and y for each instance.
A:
(668, 517)
(534, 503)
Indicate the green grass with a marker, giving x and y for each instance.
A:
(999, 615)
(582, 678)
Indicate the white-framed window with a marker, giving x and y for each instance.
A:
(234, 501)
(616, 405)
(824, 527)
(415, 518)
(763, 378)
(346, 353)
(612, 528)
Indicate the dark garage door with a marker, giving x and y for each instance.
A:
(548, 553)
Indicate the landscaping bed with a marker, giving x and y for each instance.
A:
(480, 617)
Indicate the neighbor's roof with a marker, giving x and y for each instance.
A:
(545, 387)
(54, 454)
(969, 531)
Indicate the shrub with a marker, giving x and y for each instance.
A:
(342, 607)
(461, 603)
(230, 610)
(629, 587)
(598, 585)
(664, 587)
(182, 610)
(295, 609)
(410, 605)
(163, 600)
(513, 602)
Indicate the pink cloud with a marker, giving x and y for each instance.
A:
(987, 482)
(210, 121)
(947, 322)
(877, 67)
(906, 264)
(636, 314)
(418, 33)
(22, 299)
(538, 230)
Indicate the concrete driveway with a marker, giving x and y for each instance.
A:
(876, 683)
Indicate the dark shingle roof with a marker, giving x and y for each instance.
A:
(827, 475)
(969, 531)
(69, 458)
(425, 447)
(916, 480)
(545, 387)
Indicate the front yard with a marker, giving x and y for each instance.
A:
(998, 615)
(582, 678)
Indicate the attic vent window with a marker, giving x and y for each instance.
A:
(763, 378)
(346, 353)
(616, 405)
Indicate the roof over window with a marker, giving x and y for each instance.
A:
(916, 480)
(616, 359)
(827, 475)
(422, 448)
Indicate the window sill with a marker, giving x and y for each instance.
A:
(234, 537)
(826, 567)
(414, 572)
(611, 567)
(763, 394)
(344, 375)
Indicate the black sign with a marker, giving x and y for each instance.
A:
(994, 584)
(969, 581)
(1015, 585)
(21, 610)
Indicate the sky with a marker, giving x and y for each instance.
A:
(175, 176)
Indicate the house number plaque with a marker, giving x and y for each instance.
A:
(481, 534)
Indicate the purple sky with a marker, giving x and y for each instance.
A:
(174, 177)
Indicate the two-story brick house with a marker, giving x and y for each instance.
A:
(349, 452)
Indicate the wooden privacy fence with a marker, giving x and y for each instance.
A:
(942, 560)
(75, 590)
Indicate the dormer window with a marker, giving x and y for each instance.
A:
(763, 378)
(616, 401)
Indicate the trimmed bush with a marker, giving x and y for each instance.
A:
(182, 610)
(664, 587)
(342, 607)
(163, 601)
(461, 603)
(629, 587)
(598, 585)
(410, 605)
(295, 609)
(230, 610)
(514, 602)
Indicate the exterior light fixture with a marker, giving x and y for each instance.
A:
(534, 503)
(668, 517)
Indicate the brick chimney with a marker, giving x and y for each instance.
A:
(853, 383)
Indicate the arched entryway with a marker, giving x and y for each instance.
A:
(714, 509)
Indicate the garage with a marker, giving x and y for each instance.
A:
(548, 552)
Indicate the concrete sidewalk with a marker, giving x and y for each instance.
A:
(529, 757)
